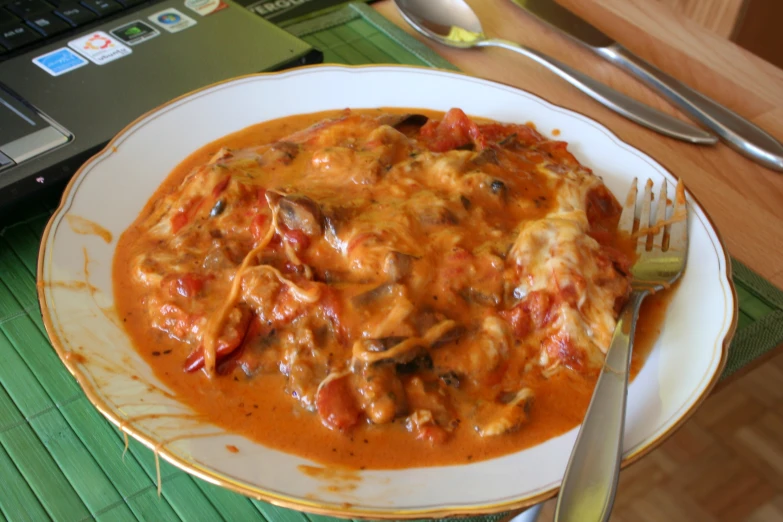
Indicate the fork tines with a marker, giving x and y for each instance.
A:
(668, 231)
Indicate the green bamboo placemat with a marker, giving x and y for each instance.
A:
(60, 459)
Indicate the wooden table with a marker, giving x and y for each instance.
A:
(744, 199)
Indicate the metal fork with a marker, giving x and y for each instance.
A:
(590, 482)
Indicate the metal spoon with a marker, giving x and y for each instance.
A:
(453, 23)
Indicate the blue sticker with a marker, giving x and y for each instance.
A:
(169, 18)
(60, 61)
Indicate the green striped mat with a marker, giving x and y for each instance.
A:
(60, 459)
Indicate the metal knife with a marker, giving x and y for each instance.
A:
(739, 133)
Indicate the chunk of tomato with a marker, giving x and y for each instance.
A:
(232, 337)
(432, 433)
(539, 305)
(603, 211)
(186, 285)
(454, 130)
(519, 319)
(296, 238)
(534, 311)
(257, 226)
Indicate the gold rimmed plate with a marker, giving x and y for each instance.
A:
(109, 191)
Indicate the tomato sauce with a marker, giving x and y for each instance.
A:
(261, 406)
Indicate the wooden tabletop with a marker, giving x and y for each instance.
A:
(744, 199)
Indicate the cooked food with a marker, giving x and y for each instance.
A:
(392, 276)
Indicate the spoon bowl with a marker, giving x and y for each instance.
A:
(451, 23)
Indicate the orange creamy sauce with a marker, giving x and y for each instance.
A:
(260, 408)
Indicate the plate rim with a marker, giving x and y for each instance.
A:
(320, 507)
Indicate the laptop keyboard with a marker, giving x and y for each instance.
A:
(31, 23)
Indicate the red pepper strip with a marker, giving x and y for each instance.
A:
(337, 406)
(195, 361)
(220, 186)
(255, 330)
(358, 240)
(261, 197)
(333, 308)
(181, 218)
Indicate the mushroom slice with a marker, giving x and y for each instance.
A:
(401, 121)
(297, 212)
(397, 265)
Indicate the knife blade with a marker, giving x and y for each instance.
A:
(738, 132)
(558, 17)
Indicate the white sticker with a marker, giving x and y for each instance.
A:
(99, 48)
(172, 20)
(60, 61)
(205, 7)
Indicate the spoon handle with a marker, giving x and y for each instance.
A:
(590, 481)
(620, 103)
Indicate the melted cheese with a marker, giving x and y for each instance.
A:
(387, 273)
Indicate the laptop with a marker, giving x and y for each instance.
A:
(73, 73)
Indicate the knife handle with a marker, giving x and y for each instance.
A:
(739, 133)
(625, 105)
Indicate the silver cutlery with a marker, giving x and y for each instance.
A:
(453, 23)
(739, 133)
(590, 482)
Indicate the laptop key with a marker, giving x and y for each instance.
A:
(48, 24)
(74, 13)
(15, 36)
(101, 7)
(27, 8)
(6, 18)
(129, 3)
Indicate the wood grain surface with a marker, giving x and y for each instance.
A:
(744, 199)
(722, 17)
(724, 465)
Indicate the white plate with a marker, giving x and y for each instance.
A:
(112, 187)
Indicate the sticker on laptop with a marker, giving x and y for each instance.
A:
(172, 20)
(135, 32)
(100, 48)
(60, 61)
(205, 7)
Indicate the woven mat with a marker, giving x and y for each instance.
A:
(60, 459)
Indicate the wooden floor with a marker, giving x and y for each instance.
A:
(725, 464)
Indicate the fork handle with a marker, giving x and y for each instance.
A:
(590, 482)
